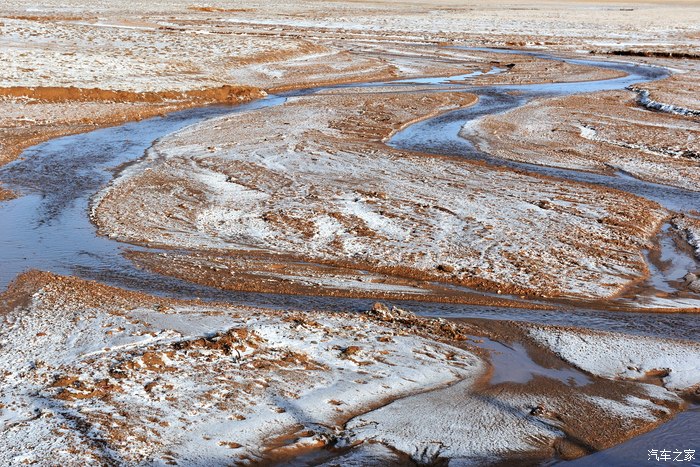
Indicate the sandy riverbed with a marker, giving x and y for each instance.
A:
(306, 198)
(312, 179)
(603, 132)
(97, 374)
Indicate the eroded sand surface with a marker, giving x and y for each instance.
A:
(99, 375)
(306, 198)
(603, 132)
(312, 179)
(624, 356)
(677, 92)
(158, 46)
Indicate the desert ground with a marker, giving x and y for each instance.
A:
(348, 233)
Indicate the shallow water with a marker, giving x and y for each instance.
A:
(441, 135)
(679, 434)
(48, 228)
(674, 263)
(513, 364)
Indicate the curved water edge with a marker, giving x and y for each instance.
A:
(48, 226)
(444, 135)
(679, 434)
(441, 135)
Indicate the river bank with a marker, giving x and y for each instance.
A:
(214, 268)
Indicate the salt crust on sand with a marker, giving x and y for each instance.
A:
(286, 373)
(277, 186)
(615, 355)
(208, 385)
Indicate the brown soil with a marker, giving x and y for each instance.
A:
(582, 437)
(119, 107)
(586, 427)
(681, 89)
(523, 69)
(219, 353)
(6, 194)
(283, 274)
(440, 61)
(360, 125)
(212, 9)
(72, 292)
(222, 95)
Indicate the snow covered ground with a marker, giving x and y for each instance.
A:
(690, 226)
(157, 46)
(614, 355)
(146, 382)
(313, 179)
(96, 374)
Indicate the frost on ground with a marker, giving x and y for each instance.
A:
(615, 355)
(97, 374)
(677, 94)
(273, 273)
(598, 132)
(553, 23)
(176, 46)
(139, 381)
(471, 427)
(314, 179)
(690, 226)
(662, 304)
(109, 54)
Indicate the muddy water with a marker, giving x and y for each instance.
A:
(512, 364)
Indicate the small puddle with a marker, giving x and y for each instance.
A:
(513, 364)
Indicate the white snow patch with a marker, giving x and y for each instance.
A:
(616, 355)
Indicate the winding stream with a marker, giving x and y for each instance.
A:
(440, 135)
(48, 226)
